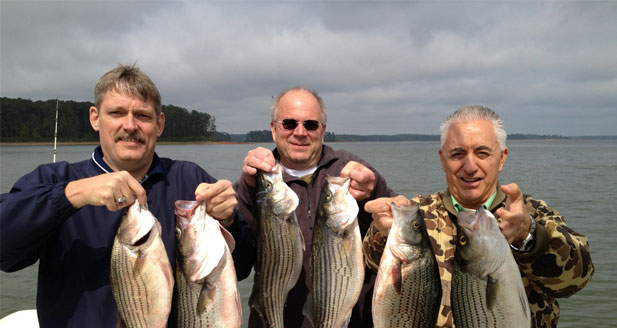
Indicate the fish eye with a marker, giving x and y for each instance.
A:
(328, 195)
(268, 185)
(415, 225)
(462, 240)
(178, 232)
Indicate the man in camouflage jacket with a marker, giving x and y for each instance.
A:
(554, 261)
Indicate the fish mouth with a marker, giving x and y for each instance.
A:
(143, 239)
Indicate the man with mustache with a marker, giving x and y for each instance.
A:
(298, 125)
(554, 261)
(66, 215)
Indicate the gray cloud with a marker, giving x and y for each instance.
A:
(382, 67)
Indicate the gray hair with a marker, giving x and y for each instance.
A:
(322, 106)
(474, 113)
(128, 79)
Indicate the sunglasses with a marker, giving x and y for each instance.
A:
(291, 124)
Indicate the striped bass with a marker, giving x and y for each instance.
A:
(337, 260)
(487, 290)
(280, 247)
(141, 275)
(407, 288)
(205, 273)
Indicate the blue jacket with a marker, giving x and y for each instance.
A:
(74, 245)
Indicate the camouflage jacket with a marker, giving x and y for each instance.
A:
(558, 265)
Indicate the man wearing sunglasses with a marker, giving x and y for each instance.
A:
(298, 125)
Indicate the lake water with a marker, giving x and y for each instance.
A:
(576, 177)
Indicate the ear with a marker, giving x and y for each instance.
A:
(442, 159)
(94, 118)
(160, 124)
(502, 161)
(273, 130)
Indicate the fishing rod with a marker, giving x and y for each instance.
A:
(56, 131)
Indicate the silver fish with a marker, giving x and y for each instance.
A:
(141, 275)
(487, 290)
(337, 262)
(205, 274)
(407, 288)
(280, 247)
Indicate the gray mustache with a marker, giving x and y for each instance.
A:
(130, 137)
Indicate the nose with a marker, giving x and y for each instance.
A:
(469, 164)
(300, 130)
(130, 123)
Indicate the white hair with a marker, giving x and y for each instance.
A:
(474, 113)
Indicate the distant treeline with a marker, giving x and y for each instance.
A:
(27, 120)
(24, 120)
(266, 136)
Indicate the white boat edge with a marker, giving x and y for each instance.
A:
(21, 319)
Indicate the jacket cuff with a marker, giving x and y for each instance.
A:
(540, 246)
(60, 202)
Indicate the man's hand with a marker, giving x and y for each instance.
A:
(515, 222)
(362, 180)
(382, 213)
(257, 159)
(220, 198)
(104, 190)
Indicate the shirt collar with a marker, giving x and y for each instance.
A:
(487, 205)
(155, 168)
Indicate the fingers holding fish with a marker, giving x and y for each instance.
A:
(362, 180)
(382, 213)
(220, 198)
(106, 190)
(258, 159)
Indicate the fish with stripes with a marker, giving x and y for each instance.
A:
(205, 274)
(336, 257)
(280, 246)
(487, 290)
(407, 288)
(140, 274)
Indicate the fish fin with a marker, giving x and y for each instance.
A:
(522, 296)
(140, 264)
(491, 291)
(231, 242)
(347, 244)
(346, 322)
(397, 277)
(119, 322)
(307, 309)
(294, 222)
(206, 297)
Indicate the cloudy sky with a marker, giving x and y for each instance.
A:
(382, 67)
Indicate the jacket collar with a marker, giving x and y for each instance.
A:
(499, 198)
(155, 168)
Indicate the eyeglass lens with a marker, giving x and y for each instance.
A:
(309, 125)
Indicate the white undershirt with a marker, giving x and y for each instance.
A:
(299, 173)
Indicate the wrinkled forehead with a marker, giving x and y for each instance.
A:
(116, 98)
(473, 134)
